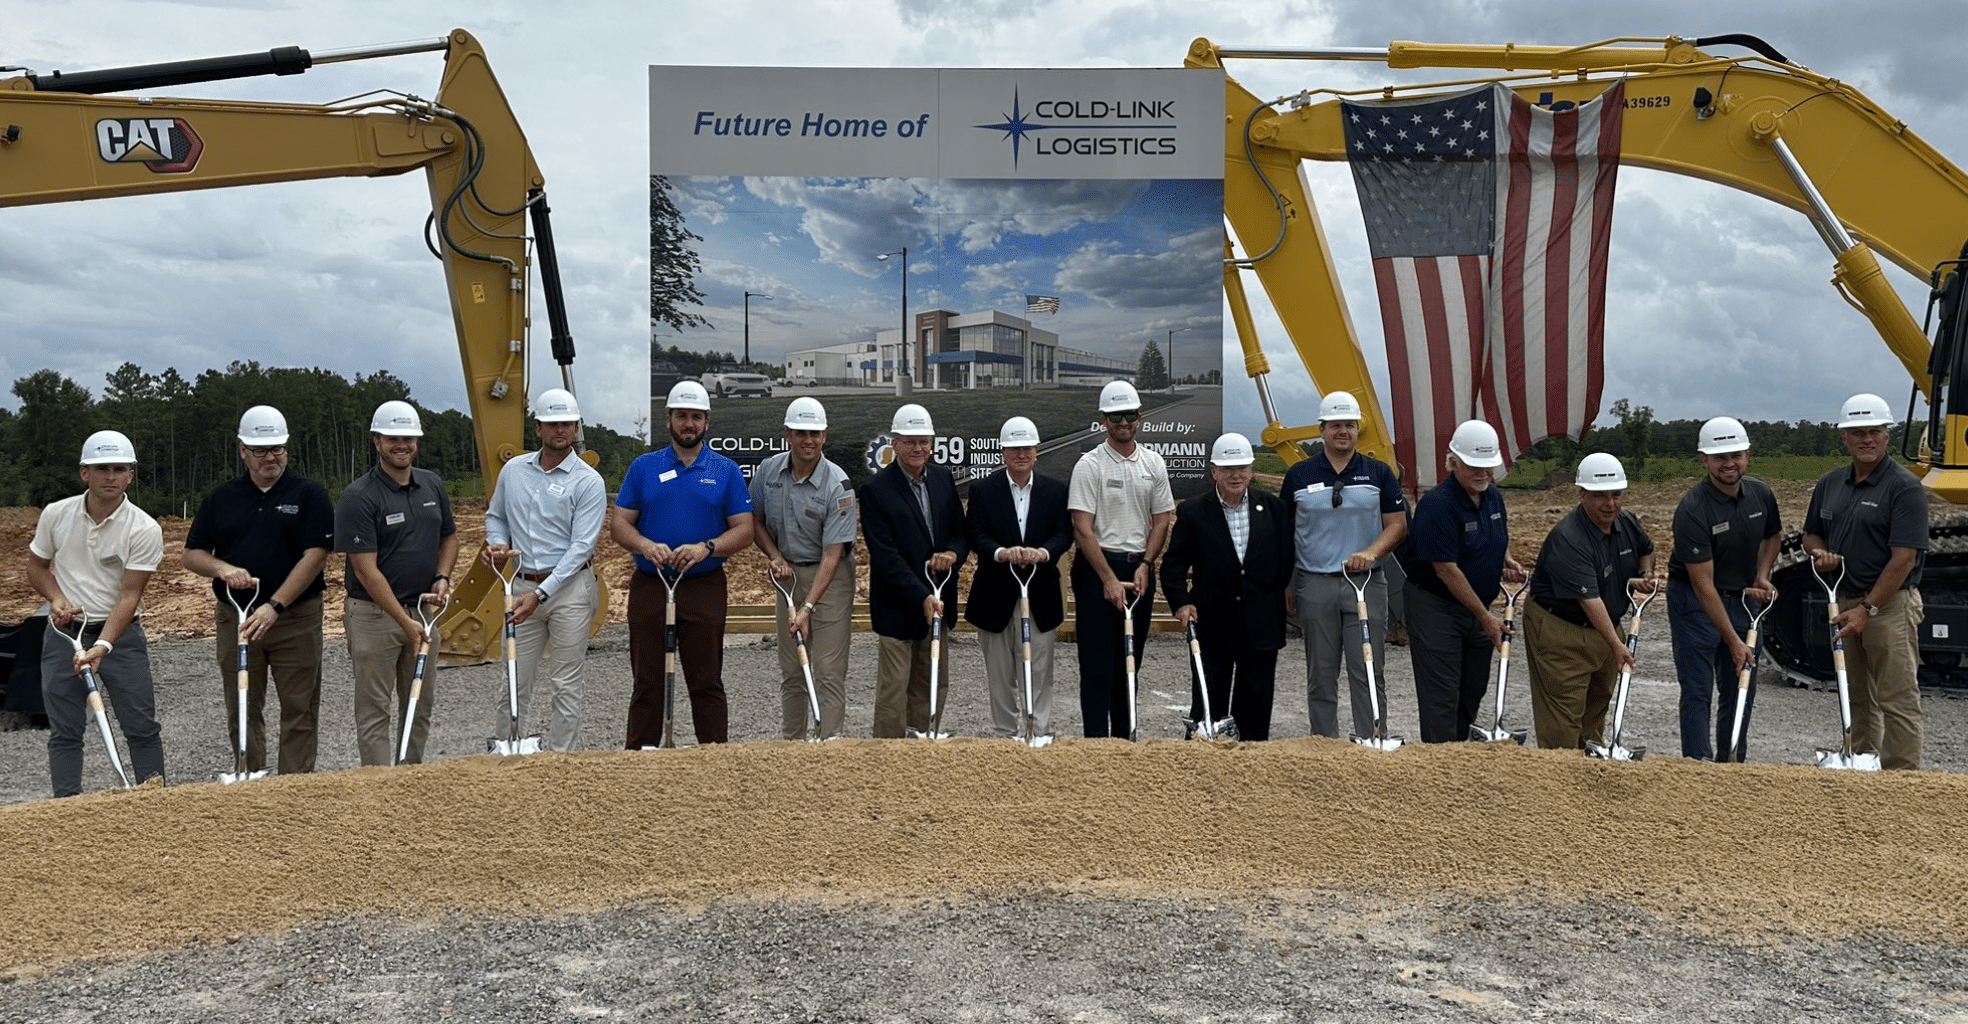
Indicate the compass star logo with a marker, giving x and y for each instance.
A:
(1014, 126)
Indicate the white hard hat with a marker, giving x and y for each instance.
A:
(1339, 405)
(396, 419)
(263, 427)
(1119, 396)
(1722, 435)
(1018, 432)
(1865, 411)
(1232, 449)
(912, 420)
(1601, 471)
(108, 448)
(688, 394)
(806, 414)
(556, 405)
(1474, 444)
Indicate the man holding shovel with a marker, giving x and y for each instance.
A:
(803, 522)
(1872, 517)
(1017, 522)
(1726, 534)
(91, 557)
(547, 510)
(1227, 567)
(276, 526)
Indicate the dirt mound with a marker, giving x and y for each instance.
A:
(1763, 850)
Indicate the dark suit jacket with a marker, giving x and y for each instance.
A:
(993, 524)
(899, 544)
(1201, 568)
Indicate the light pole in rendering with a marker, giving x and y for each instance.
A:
(749, 296)
(904, 373)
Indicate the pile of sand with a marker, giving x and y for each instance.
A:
(1767, 850)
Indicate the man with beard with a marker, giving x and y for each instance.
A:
(682, 509)
(1578, 594)
(547, 511)
(1461, 561)
(804, 519)
(91, 557)
(912, 521)
(1726, 533)
(274, 526)
(1122, 508)
(394, 524)
(1872, 516)
(1347, 513)
(1228, 563)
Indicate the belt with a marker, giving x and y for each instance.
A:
(1580, 621)
(1130, 557)
(1314, 572)
(803, 565)
(536, 577)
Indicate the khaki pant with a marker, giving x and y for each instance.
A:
(832, 625)
(291, 653)
(383, 660)
(1572, 676)
(1882, 665)
(902, 687)
(555, 637)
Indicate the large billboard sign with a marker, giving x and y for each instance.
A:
(986, 243)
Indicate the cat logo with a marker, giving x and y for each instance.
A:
(166, 145)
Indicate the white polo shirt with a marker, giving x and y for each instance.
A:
(1123, 493)
(90, 558)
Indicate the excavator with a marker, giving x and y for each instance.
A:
(68, 136)
(1754, 121)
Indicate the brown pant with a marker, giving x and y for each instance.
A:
(1882, 665)
(1572, 676)
(291, 652)
(701, 606)
(902, 686)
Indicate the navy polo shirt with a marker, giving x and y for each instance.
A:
(1710, 526)
(1579, 562)
(682, 504)
(265, 532)
(1474, 534)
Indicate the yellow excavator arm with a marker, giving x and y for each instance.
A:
(94, 135)
(1759, 124)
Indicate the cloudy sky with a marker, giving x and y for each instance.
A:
(1718, 303)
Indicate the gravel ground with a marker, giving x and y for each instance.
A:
(1064, 948)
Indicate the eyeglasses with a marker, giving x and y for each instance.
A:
(266, 453)
(1123, 417)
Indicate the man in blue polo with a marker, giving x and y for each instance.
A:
(682, 509)
(1347, 513)
(1461, 560)
(1726, 533)
(547, 511)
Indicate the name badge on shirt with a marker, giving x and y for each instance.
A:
(1719, 528)
(556, 489)
(667, 476)
(1470, 527)
(1116, 483)
(393, 519)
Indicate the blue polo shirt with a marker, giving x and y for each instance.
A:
(679, 504)
(1325, 534)
(1474, 534)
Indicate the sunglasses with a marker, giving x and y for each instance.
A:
(1337, 497)
(1123, 417)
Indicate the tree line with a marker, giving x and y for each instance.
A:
(186, 431)
(1635, 436)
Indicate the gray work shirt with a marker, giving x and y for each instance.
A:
(1710, 526)
(1579, 562)
(804, 516)
(402, 526)
(1866, 521)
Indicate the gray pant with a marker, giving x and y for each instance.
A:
(555, 634)
(125, 682)
(1329, 618)
(1004, 677)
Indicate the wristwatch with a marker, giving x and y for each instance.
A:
(711, 546)
(1871, 609)
(274, 603)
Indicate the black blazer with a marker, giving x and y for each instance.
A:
(1201, 568)
(899, 544)
(993, 524)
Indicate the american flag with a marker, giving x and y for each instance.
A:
(1041, 303)
(1489, 220)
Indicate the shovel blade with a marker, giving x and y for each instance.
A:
(1616, 752)
(1385, 744)
(1223, 730)
(1482, 735)
(510, 748)
(228, 778)
(925, 734)
(1840, 760)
